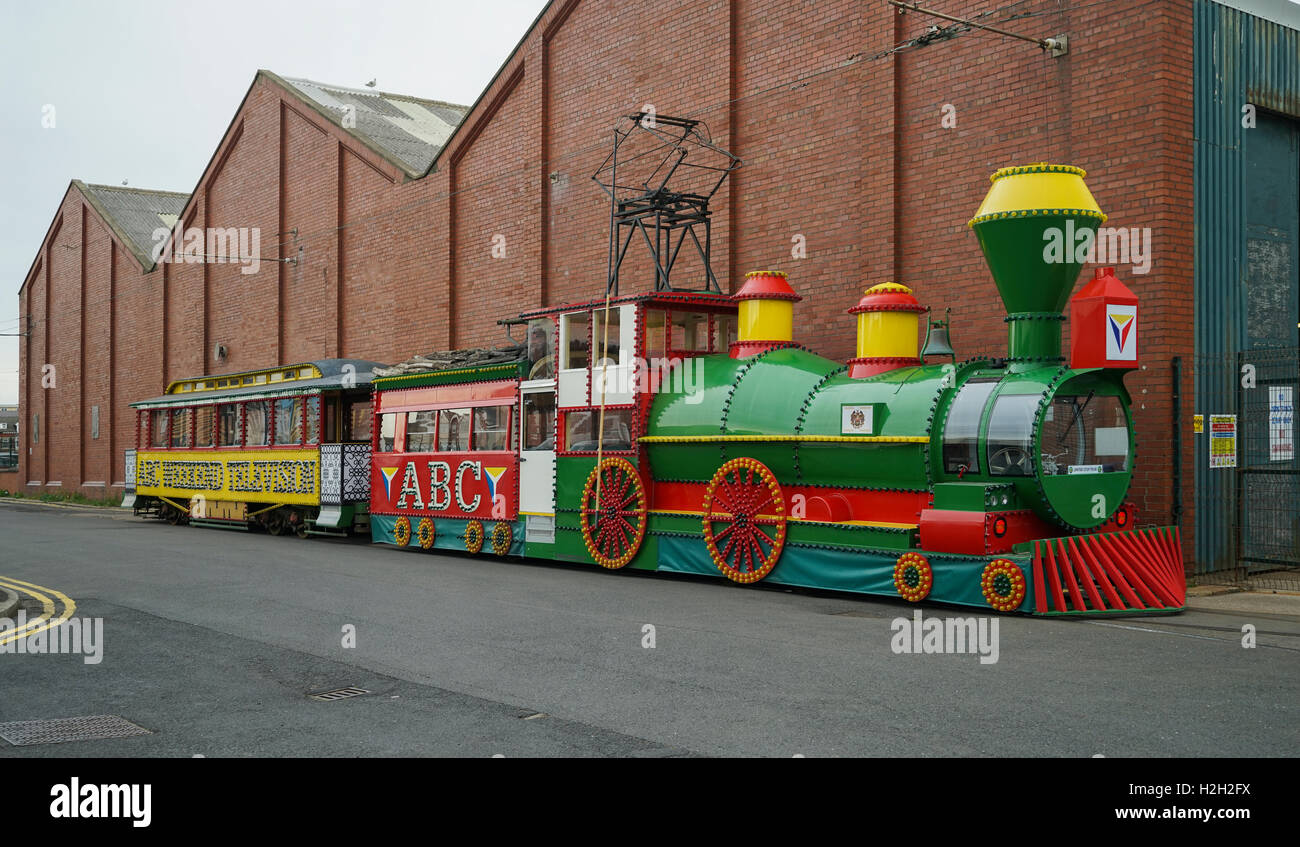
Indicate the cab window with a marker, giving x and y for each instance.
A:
(1010, 436)
(961, 433)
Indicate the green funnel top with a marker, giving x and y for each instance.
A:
(1036, 228)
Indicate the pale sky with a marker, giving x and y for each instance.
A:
(144, 91)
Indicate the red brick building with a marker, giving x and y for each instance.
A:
(375, 247)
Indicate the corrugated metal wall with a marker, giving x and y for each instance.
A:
(1239, 60)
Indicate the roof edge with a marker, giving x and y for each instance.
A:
(455, 134)
(353, 132)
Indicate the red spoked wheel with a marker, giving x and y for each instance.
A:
(613, 525)
(744, 520)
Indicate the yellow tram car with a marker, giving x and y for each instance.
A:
(285, 449)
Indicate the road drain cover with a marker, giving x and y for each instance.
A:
(58, 730)
(339, 694)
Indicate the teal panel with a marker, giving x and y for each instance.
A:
(956, 578)
(448, 534)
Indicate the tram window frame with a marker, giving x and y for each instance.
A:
(501, 436)
(358, 412)
(571, 416)
(238, 441)
(705, 336)
(385, 435)
(311, 415)
(567, 339)
(159, 441)
(267, 424)
(531, 405)
(431, 434)
(466, 437)
(211, 427)
(296, 411)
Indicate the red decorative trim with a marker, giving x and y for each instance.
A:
(886, 307)
(473, 536)
(917, 567)
(1003, 585)
(745, 349)
(425, 533)
(864, 367)
(402, 531)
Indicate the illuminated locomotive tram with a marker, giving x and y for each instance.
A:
(686, 432)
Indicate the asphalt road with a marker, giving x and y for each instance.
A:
(213, 641)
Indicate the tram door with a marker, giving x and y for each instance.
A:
(537, 458)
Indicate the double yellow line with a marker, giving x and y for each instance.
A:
(46, 620)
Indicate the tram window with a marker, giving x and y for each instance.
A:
(419, 431)
(359, 421)
(288, 420)
(575, 340)
(492, 428)
(313, 419)
(656, 345)
(257, 419)
(539, 421)
(158, 428)
(580, 430)
(724, 332)
(1010, 436)
(961, 434)
(203, 417)
(228, 425)
(690, 331)
(180, 428)
(606, 340)
(453, 429)
(387, 433)
(541, 348)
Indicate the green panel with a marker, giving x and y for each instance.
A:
(974, 496)
(769, 398)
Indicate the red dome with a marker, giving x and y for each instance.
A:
(766, 285)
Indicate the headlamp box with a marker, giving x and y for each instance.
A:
(1104, 324)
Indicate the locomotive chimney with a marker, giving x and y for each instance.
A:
(888, 319)
(766, 313)
(1036, 228)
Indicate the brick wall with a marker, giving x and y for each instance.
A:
(845, 152)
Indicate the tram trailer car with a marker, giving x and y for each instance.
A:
(686, 432)
(285, 449)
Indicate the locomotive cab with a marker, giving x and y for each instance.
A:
(1061, 439)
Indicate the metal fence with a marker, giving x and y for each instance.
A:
(1247, 469)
